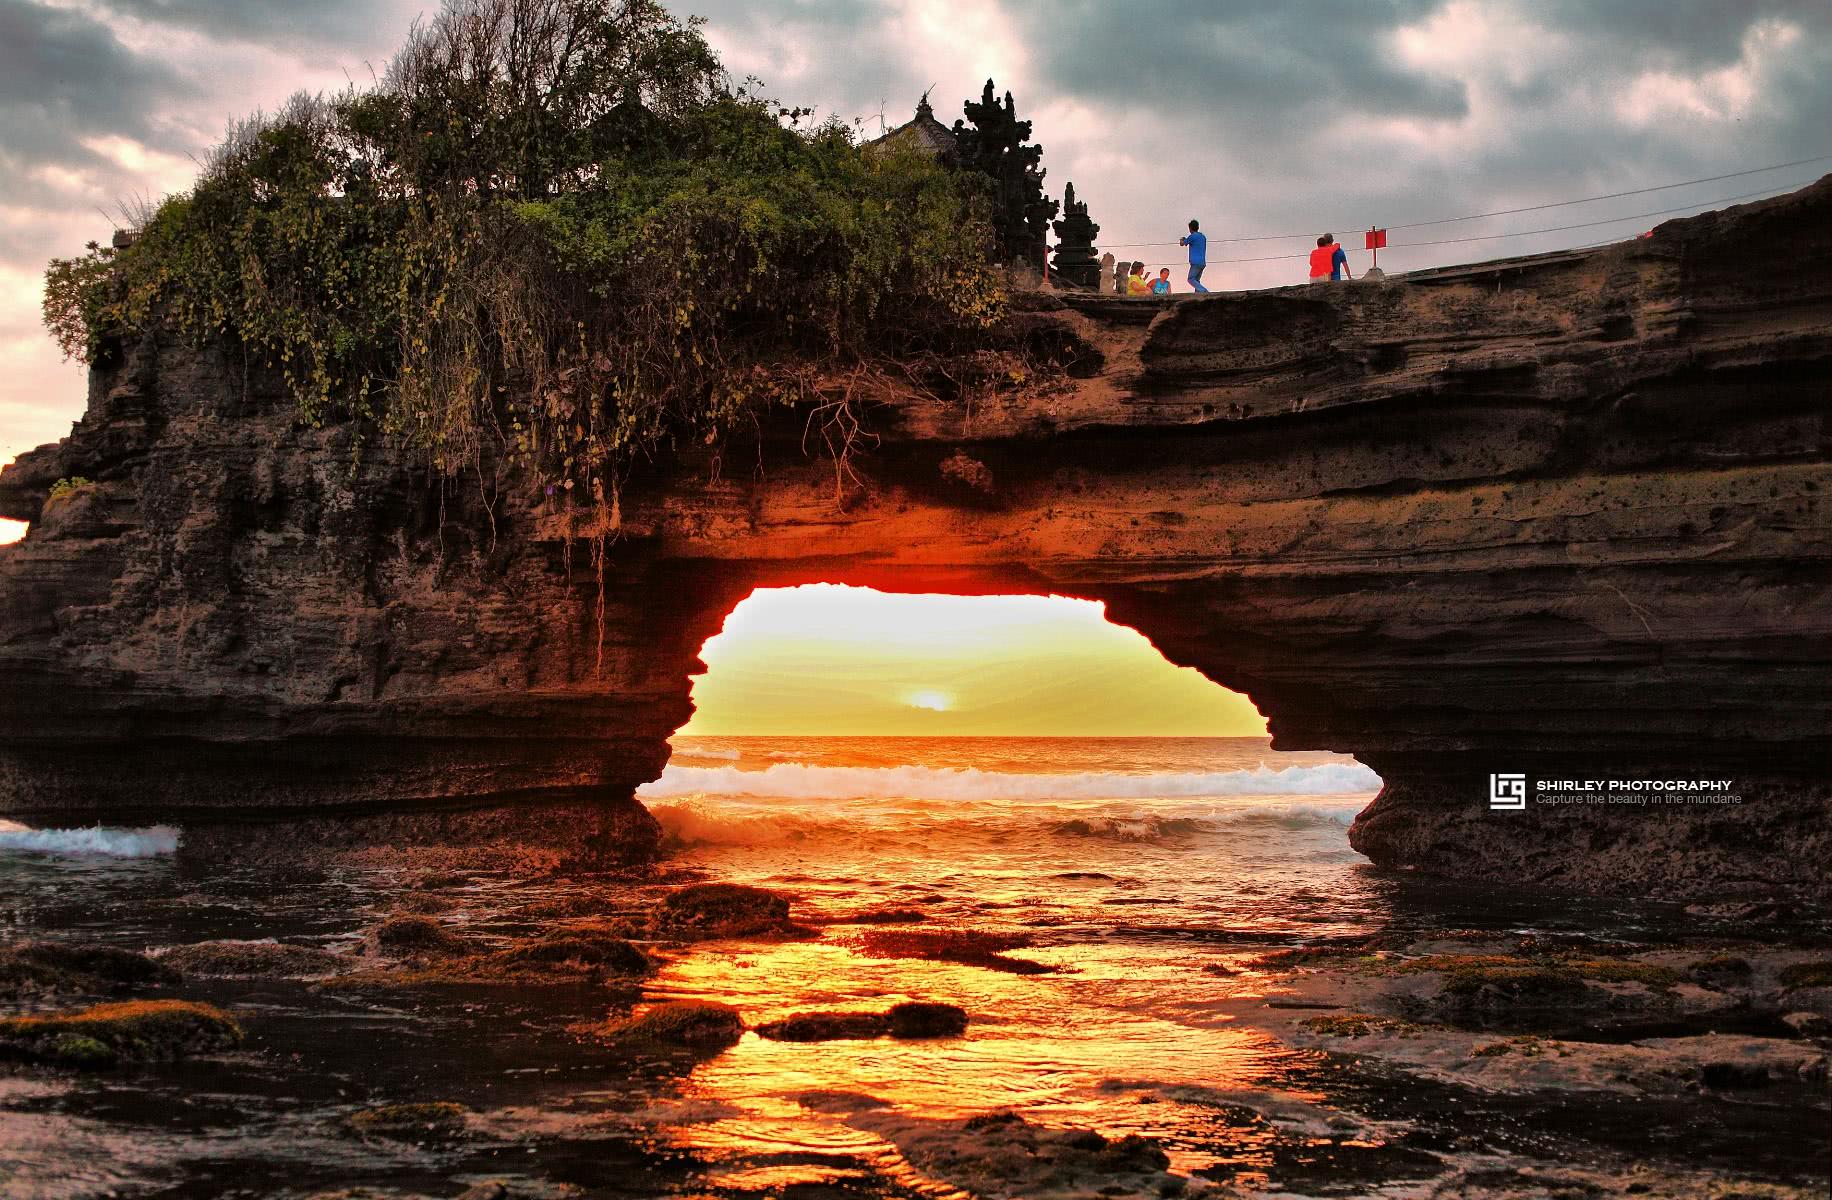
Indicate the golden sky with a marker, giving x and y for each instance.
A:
(839, 661)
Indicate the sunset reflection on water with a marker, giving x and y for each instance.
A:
(1077, 1048)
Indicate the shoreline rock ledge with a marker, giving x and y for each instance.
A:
(1563, 516)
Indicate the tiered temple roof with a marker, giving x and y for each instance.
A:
(924, 134)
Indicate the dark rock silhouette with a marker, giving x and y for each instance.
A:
(1563, 516)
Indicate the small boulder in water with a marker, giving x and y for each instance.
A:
(48, 968)
(693, 1023)
(254, 960)
(410, 934)
(926, 1019)
(911, 1019)
(105, 1034)
(585, 946)
(704, 911)
(826, 1027)
(439, 1119)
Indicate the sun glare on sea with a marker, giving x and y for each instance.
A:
(829, 660)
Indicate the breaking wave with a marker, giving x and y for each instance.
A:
(726, 755)
(95, 840)
(706, 821)
(800, 781)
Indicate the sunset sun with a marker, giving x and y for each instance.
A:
(853, 661)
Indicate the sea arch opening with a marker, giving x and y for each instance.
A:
(864, 712)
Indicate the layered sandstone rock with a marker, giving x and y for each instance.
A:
(1562, 516)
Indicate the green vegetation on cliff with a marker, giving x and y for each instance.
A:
(557, 227)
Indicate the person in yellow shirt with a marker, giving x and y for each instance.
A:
(1136, 283)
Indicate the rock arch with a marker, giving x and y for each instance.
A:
(1563, 516)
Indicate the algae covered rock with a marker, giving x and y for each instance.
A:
(412, 934)
(584, 947)
(48, 968)
(423, 1121)
(695, 1024)
(254, 960)
(105, 1034)
(1806, 975)
(722, 910)
(826, 1027)
(926, 1019)
(1720, 971)
(911, 1019)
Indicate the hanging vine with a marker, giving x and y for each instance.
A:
(554, 232)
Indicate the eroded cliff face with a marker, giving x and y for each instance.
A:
(1561, 516)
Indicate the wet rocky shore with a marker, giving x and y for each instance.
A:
(375, 1029)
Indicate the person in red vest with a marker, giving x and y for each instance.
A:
(1328, 260)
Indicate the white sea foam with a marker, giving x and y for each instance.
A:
(801, 781)
(95, 840)
(705, 820)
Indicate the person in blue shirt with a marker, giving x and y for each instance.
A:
(1199, 256)
(1328, 260)
(1161, 285)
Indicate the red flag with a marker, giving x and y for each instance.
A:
(1377, 239)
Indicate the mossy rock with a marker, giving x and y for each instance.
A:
(586, 947)
(1621, 970)
(80, 1051)
(1002, 1153)
(47, 968)
(696, 1024)
(1314, 956)
(420, 1121)
(134, 1031)
(1529, 982)
(1359, 1024)
(254, 960)
(1806, 975)
(826, 1027)
(1350, 1025)
(721, 910)
(1721, 970)
(926, 1019)
(411, 934)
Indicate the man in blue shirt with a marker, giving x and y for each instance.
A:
(1199, 256)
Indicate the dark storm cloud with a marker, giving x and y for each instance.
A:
(858, 63)
(63, 77)
(1692, 35)
(1269, 64)
(276, 23)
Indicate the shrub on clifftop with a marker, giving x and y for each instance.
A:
(557, 228)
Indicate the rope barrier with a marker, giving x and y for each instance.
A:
(1490, 237)
(1500, 212)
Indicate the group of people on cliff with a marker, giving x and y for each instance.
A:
(1328, 261)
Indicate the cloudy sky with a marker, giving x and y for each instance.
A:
(1259, 116)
